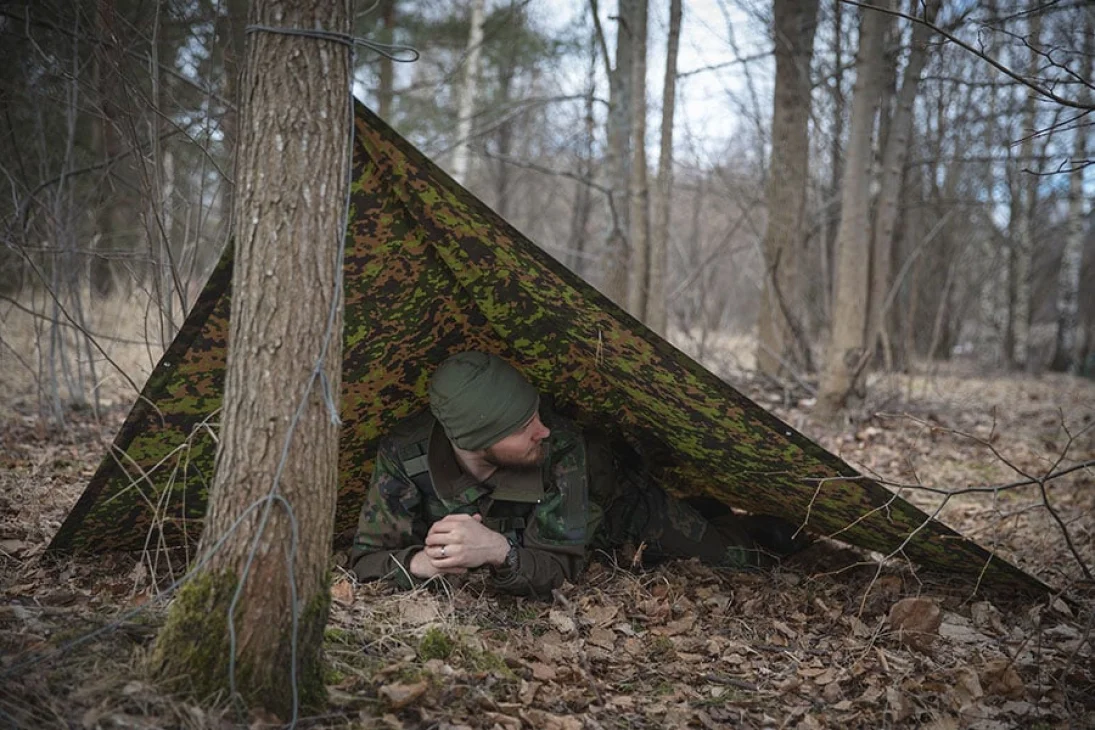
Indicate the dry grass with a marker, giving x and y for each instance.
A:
(40, 336)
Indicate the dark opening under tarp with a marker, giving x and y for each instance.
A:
(431, 270)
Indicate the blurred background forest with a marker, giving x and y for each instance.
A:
(805, 189)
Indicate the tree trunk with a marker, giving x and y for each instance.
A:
(386, 91)
(839, 377)
(1085, 306)
(893, 167)
(1068, 279)
(504, 137)
(780, 342)
(638, 187)
(579, 221)
(1024, 195)
(271, 510)
(831, 211)
(112, 214)
(618, 160)
(657, 316)
(468, 91)
(234, 38)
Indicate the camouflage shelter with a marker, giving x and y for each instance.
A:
(431, 270)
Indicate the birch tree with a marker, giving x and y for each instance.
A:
(468, 93)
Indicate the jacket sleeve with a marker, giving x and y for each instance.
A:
(392, 526)
(559, 531)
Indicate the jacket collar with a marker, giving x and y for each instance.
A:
(456, 488)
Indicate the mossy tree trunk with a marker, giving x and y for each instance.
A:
(278, 454)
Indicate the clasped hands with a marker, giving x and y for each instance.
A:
(456, 543)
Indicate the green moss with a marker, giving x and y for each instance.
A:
(191, 655)
(331, 675)
(336, 635)
(487, 661)
(436, 644)
(191, 652)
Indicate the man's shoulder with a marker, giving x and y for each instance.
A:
(565, 433)
(415, 427)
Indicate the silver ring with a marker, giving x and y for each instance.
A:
(442, 551)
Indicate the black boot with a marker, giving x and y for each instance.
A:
(775, 534)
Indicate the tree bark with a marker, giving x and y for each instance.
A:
(386, 92)
(1068, 279)
(638, 186)
(838, 380)
(271, 510)
(1024, 195)
(657, 311)
(113, 209)
(468, 91)
(618, 159)
(579, 221)
(780, 342)
(893, 173)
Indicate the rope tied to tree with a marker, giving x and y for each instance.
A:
(395, 51)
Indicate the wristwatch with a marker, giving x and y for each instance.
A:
(513, 557)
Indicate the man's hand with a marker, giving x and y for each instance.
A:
(458, 542)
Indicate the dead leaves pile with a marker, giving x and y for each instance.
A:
(680, 646)
(689, 646)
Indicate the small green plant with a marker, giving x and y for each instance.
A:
(436, 644)
(661, 647)
(336, 635)
(332, 675)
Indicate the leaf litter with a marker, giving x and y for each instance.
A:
(830, 639)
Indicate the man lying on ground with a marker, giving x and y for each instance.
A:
(484, 479)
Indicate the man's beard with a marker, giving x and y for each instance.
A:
(531, 458)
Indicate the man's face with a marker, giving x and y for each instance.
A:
(522, 448)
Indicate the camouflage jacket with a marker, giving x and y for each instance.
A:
(548, 510)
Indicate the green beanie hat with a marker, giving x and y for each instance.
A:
(479, 399)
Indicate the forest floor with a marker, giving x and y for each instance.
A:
(813, 644)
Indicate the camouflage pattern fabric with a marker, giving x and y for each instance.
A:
(430, 270)
(579, 504)
(554, 526)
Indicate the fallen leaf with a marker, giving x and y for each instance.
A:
(967, 689)
(600, 615)
(547, 721)
(342, 593)
(563, 623)
(422, 610)
(13, 548)
(506, 722)
(897, 705)
(402, 695)
(527, 692)
(604, 638)
(916, 621)
(999, 677)
(542, 671)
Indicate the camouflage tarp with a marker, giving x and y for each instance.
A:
(431, 270)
